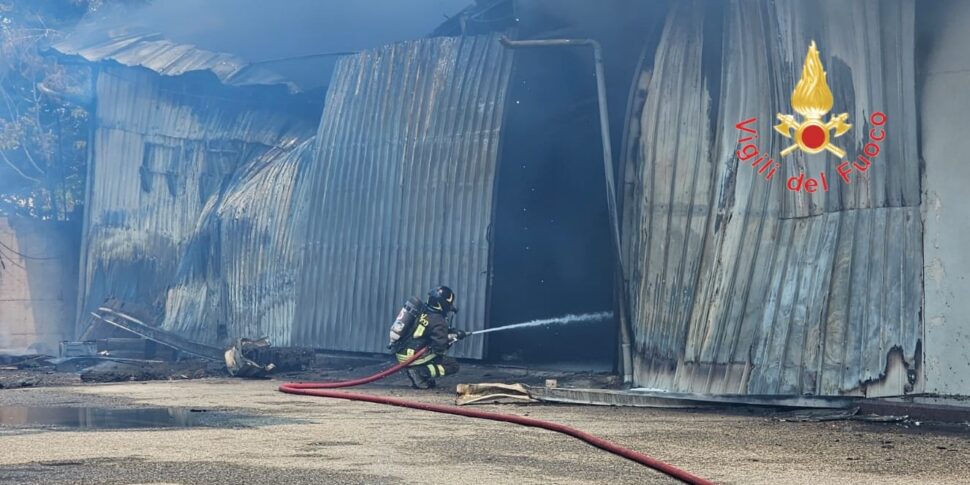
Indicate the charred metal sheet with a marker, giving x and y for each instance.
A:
(163, 149)
(78, 349)
(738, 285)
(142, 329)
(138, 47)
(399, 197)
(239, 268)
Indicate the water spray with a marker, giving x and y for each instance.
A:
(584, 318)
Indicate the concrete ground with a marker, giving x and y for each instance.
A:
(298, 439)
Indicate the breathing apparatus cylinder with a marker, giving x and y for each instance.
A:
(404, 323)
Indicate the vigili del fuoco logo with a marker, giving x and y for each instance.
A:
(812, 100)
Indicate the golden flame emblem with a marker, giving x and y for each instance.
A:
(812, 99)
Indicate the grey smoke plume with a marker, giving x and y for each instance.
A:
(261, 30)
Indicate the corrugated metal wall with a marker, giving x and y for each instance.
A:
(162, 148)
(240, 266)
(400, 195)
(737, 284)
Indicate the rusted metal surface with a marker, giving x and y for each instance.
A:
(737, 284)
(399, 197)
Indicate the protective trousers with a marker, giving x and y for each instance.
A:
(423, 371)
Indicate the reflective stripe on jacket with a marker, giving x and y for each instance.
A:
(430, 330)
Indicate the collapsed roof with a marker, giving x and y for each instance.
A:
(142, 47)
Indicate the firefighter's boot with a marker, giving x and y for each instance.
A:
(420, 379)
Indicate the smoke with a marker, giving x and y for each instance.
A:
(261, 30)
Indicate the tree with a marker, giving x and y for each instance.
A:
(43, 134)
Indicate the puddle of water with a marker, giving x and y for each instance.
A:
(101, 418)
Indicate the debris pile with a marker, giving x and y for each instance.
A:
(257, 358)
(146, 370)
(124, 342)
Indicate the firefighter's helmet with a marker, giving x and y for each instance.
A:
(442, 300)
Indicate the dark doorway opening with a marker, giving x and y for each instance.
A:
(551, 248)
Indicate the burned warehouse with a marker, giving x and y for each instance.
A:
(671, 204)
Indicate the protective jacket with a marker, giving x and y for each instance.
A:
(431, 329)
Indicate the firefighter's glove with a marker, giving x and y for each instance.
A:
(456, 335)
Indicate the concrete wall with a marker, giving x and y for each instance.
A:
(38, 285)
(945, 105)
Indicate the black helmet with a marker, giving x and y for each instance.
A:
(442, 300)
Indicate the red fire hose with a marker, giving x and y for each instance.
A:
(320, 389)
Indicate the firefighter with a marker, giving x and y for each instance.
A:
(432, 330)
